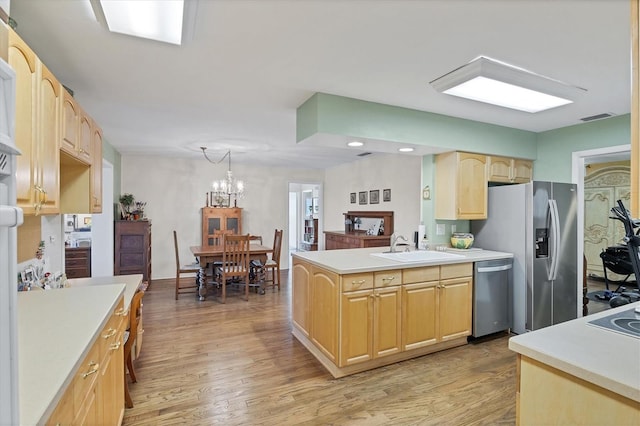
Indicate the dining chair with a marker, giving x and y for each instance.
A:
(135, 315)
(255, 239)
(235, 263)
(273, 264)
(193, 268)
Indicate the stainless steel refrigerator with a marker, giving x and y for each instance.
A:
(537, 222)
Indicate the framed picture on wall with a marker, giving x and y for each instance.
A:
(362, 197)
(374, 196)
(386, 195)
(352, 197)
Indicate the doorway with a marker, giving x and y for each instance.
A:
(305, 209)
(580, 160)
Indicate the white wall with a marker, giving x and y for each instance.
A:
(400, 173)
(175, 189)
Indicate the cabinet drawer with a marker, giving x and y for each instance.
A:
(456, 270)
(420, 275)
(352, 282)
(387, 278)
(86, 376)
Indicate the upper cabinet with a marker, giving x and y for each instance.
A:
(96, 169)
(509, 170)
(37, 130)
(55, 173)
(76, 130)
(461, 186)
(462, 180)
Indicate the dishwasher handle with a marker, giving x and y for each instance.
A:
(493, 268)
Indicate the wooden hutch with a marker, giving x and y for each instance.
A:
(352, 237)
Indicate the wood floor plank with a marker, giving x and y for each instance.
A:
(205, 363)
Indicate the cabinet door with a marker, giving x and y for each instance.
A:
(84, 140)
(96, 170)
(232, 224)
(454, 305)
(301, 285)
(48, 119)
(387, 337)
(522, 171)
(472, 186)
(356, 327)
(70, 115)
(500, 169)
(419, 315)
(23, 61)
(324, 313)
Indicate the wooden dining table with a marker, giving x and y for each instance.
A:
(209, 254)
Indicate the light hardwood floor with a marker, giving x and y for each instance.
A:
(205, 363)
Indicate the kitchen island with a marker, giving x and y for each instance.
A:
(64, 335)
(355, 310)
(580, 372)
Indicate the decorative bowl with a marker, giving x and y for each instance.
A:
(461, 240)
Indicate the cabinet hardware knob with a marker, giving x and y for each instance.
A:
(391, 278)
(115, 346)
(110, 333)
(121, 312)
(360, 282)
(88, 373)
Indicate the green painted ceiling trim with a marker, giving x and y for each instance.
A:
(323, 113)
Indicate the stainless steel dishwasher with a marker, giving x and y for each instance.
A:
(492, 304)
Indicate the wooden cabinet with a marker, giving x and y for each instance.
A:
(355, 322)
(216, 220)
(95, 395)
(325, 313)
(133, 248)
(310, 238)
(509, 170)
(369, 324)
(96, 169)
(37, 130)
(461, 186)
(339, 240)
(301, 296)
(76, 130)
(77, 262)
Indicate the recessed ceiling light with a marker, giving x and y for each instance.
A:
(355, 143)
(406, 149)
(495, 82)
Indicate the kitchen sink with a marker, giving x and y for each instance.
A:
(417, 256)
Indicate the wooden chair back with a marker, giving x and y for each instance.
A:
(277, 246)
(184, 269)
(255, 239)
(235, 262)
(135, 313)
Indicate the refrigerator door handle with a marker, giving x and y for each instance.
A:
(555, 240)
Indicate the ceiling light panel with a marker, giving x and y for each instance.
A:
(159, 20)
(490, 81)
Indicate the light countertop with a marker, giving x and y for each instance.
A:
(56, 329)
(349, 261)
(605, 358)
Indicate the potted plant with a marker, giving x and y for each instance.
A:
(126, 201)
(138, 211)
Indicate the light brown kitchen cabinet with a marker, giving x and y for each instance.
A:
(355, 322)
(95, 395)
(38, 103)
(509, 170)
(96, 168)
(76, 129)
(461, 186)
(220, 220)
(302, 285)
(324, 314)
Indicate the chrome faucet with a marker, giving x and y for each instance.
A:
(394, 241)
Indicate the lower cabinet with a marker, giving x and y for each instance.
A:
(355, 322)
(95, 395)
(77, 262)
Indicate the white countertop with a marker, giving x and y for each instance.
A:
(349, 261)
(56, 328)
(605, 358)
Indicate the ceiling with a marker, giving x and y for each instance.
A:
(237, 83)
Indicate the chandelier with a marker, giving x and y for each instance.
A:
(224, 189)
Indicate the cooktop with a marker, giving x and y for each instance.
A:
(624, 322)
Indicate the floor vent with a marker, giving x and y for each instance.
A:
(598, 116)
(364, 154)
